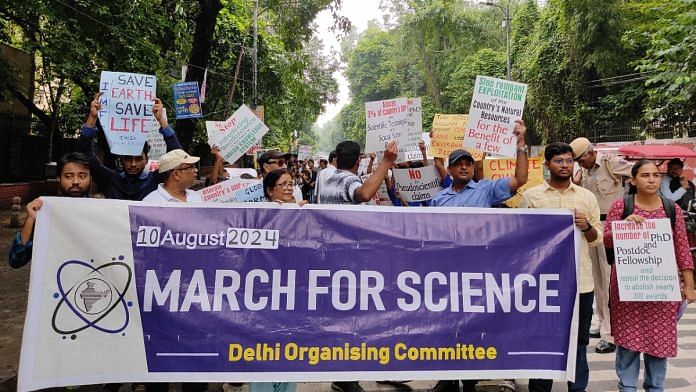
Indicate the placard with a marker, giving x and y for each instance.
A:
(448, 135)
(495, 168)
(237, 134)
(495, 106)
(126, 110)
(187, 101)
(419, 184)
(234, 190)
(386, 121)
(646, 268)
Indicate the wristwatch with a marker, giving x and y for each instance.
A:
(589, 227)
(522, 149)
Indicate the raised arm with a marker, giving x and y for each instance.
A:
(521, 166)
(371, 185)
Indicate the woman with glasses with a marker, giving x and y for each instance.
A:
(278, 186)
(647, 327)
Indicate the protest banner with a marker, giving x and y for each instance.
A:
(495, 168)
(386, 121)
(235, 293)
(419, 184)
(237, 134)
(495, 106)
(187, 100)
(234, 190)
(646, 268)
(448, 135)
(126, 110)
(304, 152)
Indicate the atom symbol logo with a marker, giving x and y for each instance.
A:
(94, 297)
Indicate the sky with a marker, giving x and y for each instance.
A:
(359, 12)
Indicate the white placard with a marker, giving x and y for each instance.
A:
(126, 110)
(646, 267)
(419, 184)
(495, 106)
(234, 190)
(237, 134)
(386, 121)
(237, 172)
(304, 152)
(413, 153)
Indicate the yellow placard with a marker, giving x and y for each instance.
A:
(505, 167)
(448, 135)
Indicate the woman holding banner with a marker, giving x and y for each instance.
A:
(648, 327)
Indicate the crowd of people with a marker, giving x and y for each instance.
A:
(595, 193)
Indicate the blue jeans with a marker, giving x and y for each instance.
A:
(628, 367)
(582, 369)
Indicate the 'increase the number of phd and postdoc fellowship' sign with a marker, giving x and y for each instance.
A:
(220, 292)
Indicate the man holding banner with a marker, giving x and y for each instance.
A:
(134, 183)
(560, 192)
(483, 193)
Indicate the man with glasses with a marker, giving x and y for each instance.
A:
(603, 175)
(560, 192)
(179, 173)
(134, 183)
(272, 160)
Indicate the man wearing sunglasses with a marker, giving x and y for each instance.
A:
(178, 170)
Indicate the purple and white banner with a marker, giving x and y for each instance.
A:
(124, 291)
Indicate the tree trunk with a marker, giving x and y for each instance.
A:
(198, 61)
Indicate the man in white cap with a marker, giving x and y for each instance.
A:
(603, 175)
(179, 170)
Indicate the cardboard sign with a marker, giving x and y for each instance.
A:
(448, 135)
(418, 184)
(187, 101)
(495, 106)
(646, 267)
(234, 190)
(304, 152)
(413, 153)
(235, 135)
(126, 110)
(505, 167)
(386, 121)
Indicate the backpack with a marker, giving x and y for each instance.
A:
(667, 204)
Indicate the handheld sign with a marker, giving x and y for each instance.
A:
(234, 190)
(126, 110)
(496, 168)
(495, 106)
(448, 135)
(304, 152)
(381, 197)
(187, 101)
(419, 184)
(386, 121)
(235, 135)
(646, 267)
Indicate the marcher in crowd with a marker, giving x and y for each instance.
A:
(603, 175)
(273, 160)
(134, 183)
(324, 175)
(647, 327)
(278, 187)
(676, 187)
(74, 180)
(560, 192)
(178, 171)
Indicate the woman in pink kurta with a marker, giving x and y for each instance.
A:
(647, 327)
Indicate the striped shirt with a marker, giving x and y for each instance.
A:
(580, 199)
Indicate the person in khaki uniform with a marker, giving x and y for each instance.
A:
(603, 175)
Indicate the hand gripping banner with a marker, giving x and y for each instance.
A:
(125, 291)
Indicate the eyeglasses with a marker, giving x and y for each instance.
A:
(279, 162)
(186, 168)
(286, 185)
(560, 161)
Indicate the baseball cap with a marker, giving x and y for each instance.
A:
(456, 155)
(174, 158)
(580, 146)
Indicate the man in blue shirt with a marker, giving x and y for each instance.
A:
(465, 192)
(134, 183)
